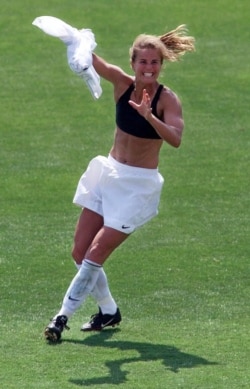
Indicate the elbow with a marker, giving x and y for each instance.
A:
(177, 143)
(173, 138)
(174, 143)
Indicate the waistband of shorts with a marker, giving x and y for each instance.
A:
(133, 169)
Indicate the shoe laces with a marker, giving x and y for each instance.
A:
(61, 321)
(96, 319)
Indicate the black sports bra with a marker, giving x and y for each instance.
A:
(130, 121)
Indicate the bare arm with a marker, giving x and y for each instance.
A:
(111, 73)
(171, 128)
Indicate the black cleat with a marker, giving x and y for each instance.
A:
(99, 321)
(55, 328)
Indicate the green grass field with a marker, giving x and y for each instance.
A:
(183, 281)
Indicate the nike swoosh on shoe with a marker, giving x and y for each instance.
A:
(103, 325)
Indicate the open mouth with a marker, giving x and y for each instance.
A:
(148, 74)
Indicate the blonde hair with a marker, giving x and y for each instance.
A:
(171, 46)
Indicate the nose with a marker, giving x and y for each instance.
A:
(148, 66)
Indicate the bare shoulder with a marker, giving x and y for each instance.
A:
(122, 84)
(168, 96)
(169, 103)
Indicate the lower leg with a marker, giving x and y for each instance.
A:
(101, 246)
(102, 295)
(80, 287)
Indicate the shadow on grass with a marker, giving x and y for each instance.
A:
(172, 358)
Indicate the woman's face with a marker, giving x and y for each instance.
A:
(147, 65)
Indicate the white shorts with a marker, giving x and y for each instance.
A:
(126, 196)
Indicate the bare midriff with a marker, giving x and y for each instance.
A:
(134, 151)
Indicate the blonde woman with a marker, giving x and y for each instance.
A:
(121, 192)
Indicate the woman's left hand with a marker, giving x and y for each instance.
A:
(144, 108)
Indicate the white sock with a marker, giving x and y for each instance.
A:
(80, 287)
(102, 295)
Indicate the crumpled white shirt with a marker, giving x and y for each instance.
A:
(80, 45)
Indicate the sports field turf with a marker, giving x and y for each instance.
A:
(182, 282)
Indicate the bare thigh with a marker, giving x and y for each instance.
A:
(93, 240)
(104, 243)
(87, 227)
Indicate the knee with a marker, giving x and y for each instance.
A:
(77, 255)
(98, 252)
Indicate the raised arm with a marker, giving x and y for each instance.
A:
(112, 73)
